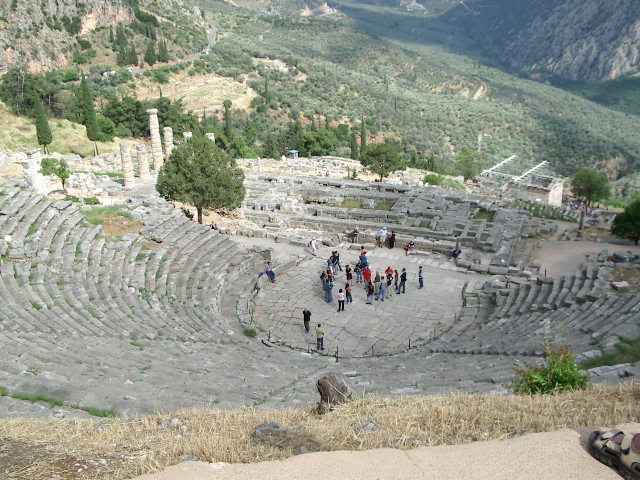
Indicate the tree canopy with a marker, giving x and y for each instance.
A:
(57, 167)
(627, 223)
(200, 174)
(383, 158)
(590, 185)
(468, 162)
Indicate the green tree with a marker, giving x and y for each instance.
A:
(627, 223)
(468, 162)
(363, 137)
(150, 55)
(353, 145)
(228, 126)
(53, 166)
(163, 53)
(383, 158)
(200, 174)
(89, 114)
(133, 55)
(43, 132)
(590, 185)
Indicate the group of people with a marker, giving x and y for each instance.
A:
(378, 286)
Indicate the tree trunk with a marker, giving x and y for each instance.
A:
(95, 149)
(46, 150)
(199, 214)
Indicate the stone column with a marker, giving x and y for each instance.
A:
(37, 180)
(156, 146)
(187, 135)
(211, 136)
(167, 134)
(127, 165)
(143, 161)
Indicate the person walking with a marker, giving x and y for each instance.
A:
(268, 270)
(319, 338)
(403, 281)
(347, 291)
(306, 319)
(340, 297)
(336, 261)
(369, 290)
(420, 277)
(313, 245)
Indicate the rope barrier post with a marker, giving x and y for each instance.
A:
(337, 353)
(269, 335)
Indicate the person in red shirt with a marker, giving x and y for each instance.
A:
(366, 274)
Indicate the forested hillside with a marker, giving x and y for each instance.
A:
(274, 81)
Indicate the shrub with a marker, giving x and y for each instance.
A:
(433, 179)
(250, 332)
(557, 374)
(91, 201)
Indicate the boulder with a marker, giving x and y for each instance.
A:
(333, 391)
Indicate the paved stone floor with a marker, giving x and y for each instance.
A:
(386, 327)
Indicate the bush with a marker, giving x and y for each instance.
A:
(558, 374)
(433, 179)
(91, 201)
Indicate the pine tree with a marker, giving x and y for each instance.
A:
(150, 55)
(363, 138)
(43, 132)
(89, 114)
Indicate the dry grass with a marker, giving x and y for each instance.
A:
(131, 446)
(19, 134)
(198, 92)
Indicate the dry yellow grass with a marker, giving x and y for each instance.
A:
(126, 447)
(19, 134)
(198, 92)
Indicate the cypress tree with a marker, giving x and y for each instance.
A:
(122, 59)
(353, 144)
(89, 114)
(363, 137)
(43, 132)
(163, 53)
(150, 55)
(112, 40)
(228, 127)
(133, 55)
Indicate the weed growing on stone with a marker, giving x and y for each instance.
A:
(250, 332)
(35, 305)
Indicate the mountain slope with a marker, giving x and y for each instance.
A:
(571, 39)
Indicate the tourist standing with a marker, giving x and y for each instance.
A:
(382, 286)
(268, 270)
(319, 338)
(328, 294)
(392, 239)
(420, 277)
(403, 281)
(395, 277)
(340, 297)
(389, 282)
(366, 274)
(348, 273)
(369, 290)
(347, 291)
(306, 319)
(354, 235)
(358, 270)
(382, 236)
(376, 283)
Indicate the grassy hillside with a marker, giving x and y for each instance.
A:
(19, 134)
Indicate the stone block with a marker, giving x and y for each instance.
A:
(493, 270)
